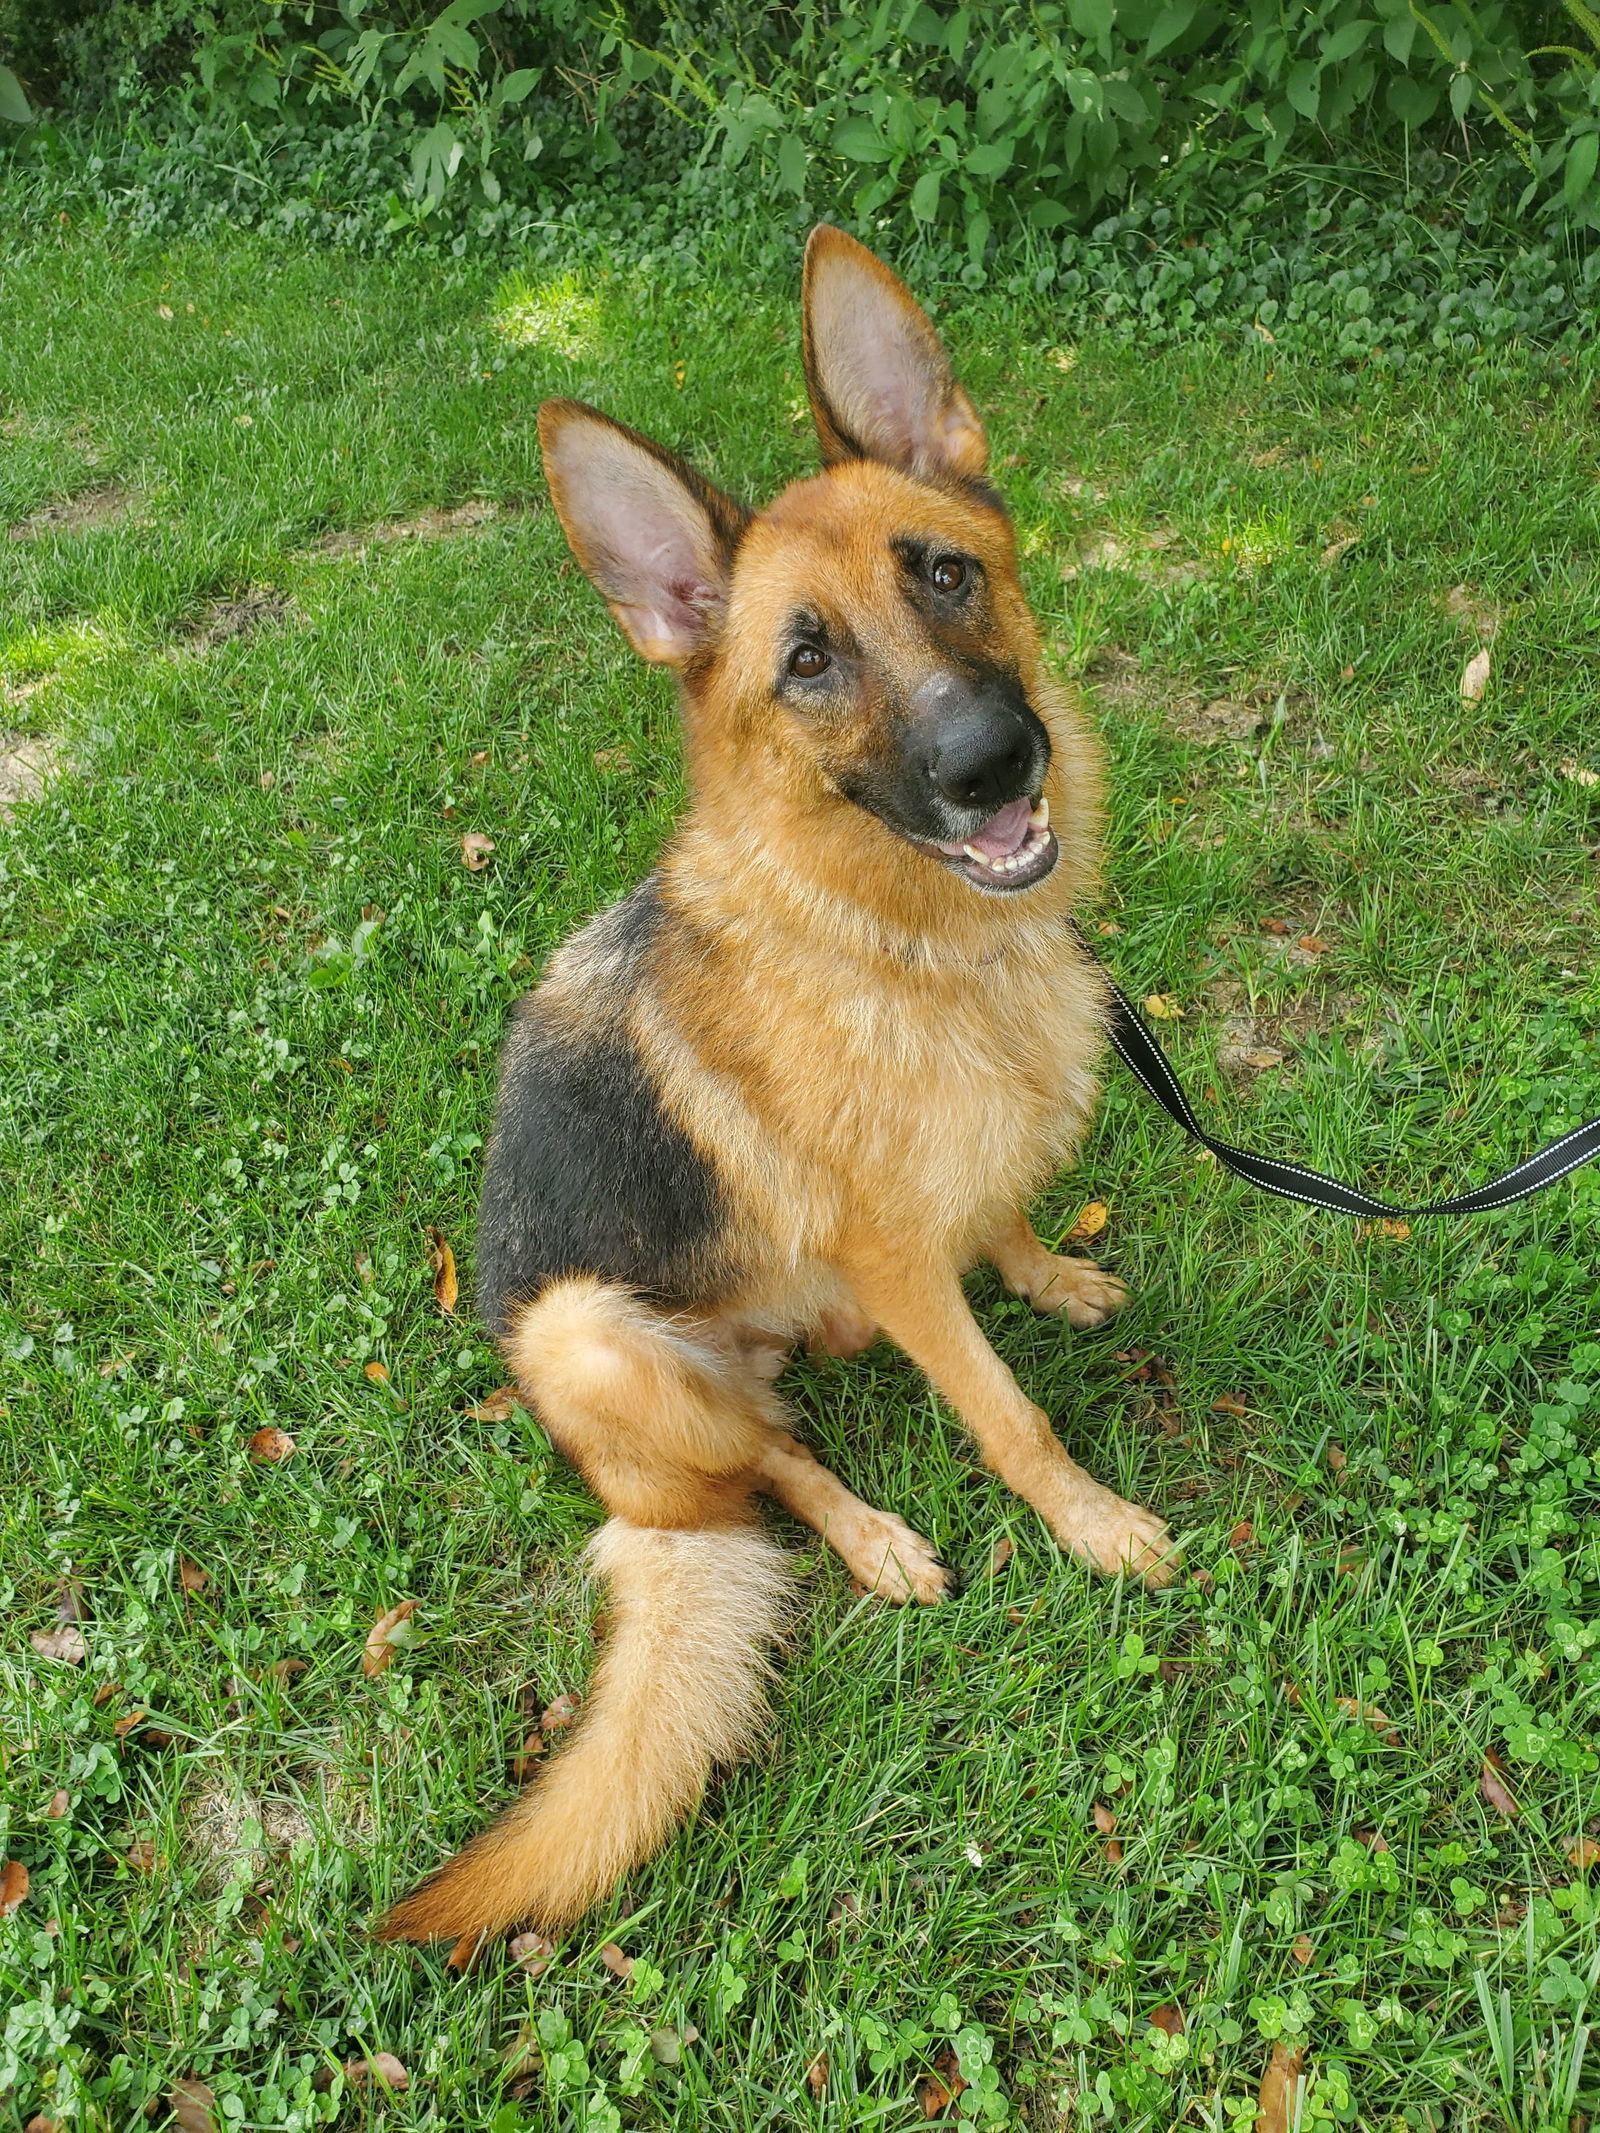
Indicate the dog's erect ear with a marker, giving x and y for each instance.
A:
(881, 386)
(653, 537)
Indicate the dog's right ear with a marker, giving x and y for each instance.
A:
(655, 539)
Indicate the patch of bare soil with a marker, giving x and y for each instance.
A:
(434, 525)
(257, 608)
(1146, 556)
(27, 764)
(1120, 677)
(82, 513)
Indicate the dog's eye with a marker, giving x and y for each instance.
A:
(948, 574)
(809, 662)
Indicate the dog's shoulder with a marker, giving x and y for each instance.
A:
(588, 1172)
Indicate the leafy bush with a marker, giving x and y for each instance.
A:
(950, 119)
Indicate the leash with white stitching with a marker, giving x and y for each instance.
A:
(1135, 1045)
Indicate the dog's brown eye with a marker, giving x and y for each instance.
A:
(809, 662)
(949, 574)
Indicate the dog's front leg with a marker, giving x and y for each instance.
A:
(1076, 1288)
(922, 1308)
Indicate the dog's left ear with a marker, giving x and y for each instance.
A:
(881, 385)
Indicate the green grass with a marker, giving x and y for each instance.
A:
(229, 1121)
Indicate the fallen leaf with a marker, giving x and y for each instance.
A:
(534, 1952)
(1312, 943)
(1351, 1561)
(936, 2092)
(1475, 677)
(141, 1856)
(1276, 926)
(443, 1262)
(125, 1726)
(65, 1643)
(1583, 1852)
(382, 2067)
(40, 2124)
(1494, 1788)
(616, 1962)
(1163, 1007)
(1000, 1554)
(1091, 1221)
(1108, 929)
(60, 1805)
(475, 851)
(164, 311)
(1228, 1403)
(13, 1887)
(1337, 1462)
(667, 2046)
(280, 1672)
(104, 1694)
(193, 2106)
(1302, 1948)
(1113, 1851)
(1241, 1536)
(270, 1447)
(526, 1760)
(817, 2076)
(561, 1713)
(1278, 2099)
(1267, 1057)
(498, 1407)
(1169, 2019)
(386, 1636)
(1571, 768)
(1370, 1715)
(1335, 549)
(1373, 1839)
(1347, 673)
(191, 1577)
(376, 1371)
(1104, 1820)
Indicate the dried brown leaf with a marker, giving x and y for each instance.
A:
(534, 1951)
(526, 1760)
(191, 1577)
(1570, 767)
(1113, 1851)
(270, 1447)
(60, 1805)
(1475, 676)
(1266, 1058)
(125, 1726)
(446, 1289)
(498, 1407)
(1277, 926)
(1162, 1007)
(1370, 1715)
(72, 1603)
(938, 2090)
(475, 851)
(616, 1962)
(1241, 1536)
(38, 2123)
(1337, 1461)
(1302, 1948)
(1335, 549)
(141, 1856)
(561, 1713)
(817, 2076)
(376, 1371)
(1091, 1221)
(1104, 1820)
(1492, 1784)
(1000, 1554)
(1169, 2019)
(382, 2067)
(1278, 2099)
(280, 1672)
(1228, 1403)
(193, 2106)
(13, 1887)
(1583, 1852)
(65, 1644)
(385, 1637)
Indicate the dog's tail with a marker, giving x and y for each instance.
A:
(681, 1688)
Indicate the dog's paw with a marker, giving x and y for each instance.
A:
(1115, 1536)
(1077, 1289)
(891, 1559)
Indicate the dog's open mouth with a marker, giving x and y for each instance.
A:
(1012, 850)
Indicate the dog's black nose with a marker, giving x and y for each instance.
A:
(983, 760)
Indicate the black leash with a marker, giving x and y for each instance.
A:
(1135, 1045)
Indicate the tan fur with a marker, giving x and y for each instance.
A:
(881, 1064)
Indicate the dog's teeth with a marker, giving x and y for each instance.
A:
(1040, 817)
(972, 852)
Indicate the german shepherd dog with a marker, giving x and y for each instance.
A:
(799, 1080)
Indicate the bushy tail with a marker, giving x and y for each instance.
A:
(679, 1689)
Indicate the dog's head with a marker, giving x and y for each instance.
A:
(861, 651)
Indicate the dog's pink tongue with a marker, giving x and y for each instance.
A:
(1004, 832)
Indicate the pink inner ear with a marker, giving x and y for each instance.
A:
(885, 377)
